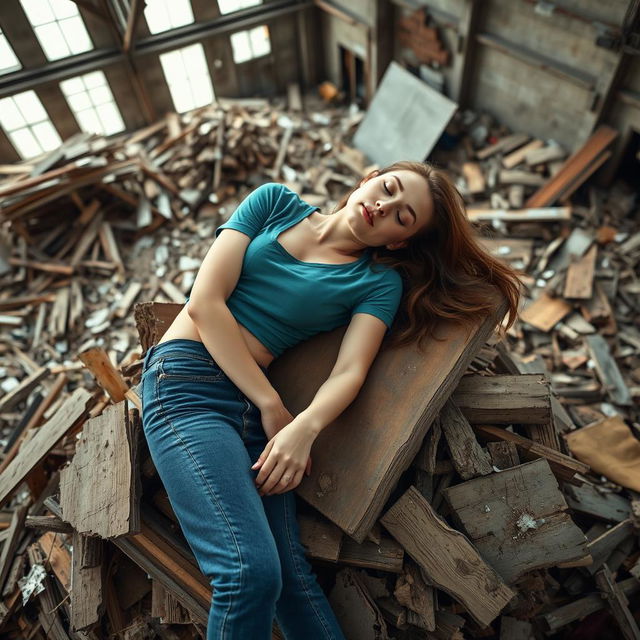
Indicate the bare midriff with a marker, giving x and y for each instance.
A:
(184, 328)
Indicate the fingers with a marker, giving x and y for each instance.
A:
(287, 482)
(307, 470)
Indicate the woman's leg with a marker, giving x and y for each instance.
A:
(193, 422)
(302, 611)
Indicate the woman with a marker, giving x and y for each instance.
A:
(226, 448)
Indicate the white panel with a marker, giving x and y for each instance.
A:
(63, 8)
(180, 12)
(79, 101)
(89, 121)
(47, 136)
(110, 117)
(30, 106)
(260, 44)
(71, 86)
(52, 41)
(10, 116)
(8, 60)
(76, 35)
(100, 95)
(157, 16)
(24, 142)
(38, 12)
(241, 47)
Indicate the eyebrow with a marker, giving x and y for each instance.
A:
(411, 211)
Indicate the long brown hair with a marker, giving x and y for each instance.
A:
(446, 272)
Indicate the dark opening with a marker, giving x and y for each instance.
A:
(352, 73)
(629, 168)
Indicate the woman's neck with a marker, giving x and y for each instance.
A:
(334, 231)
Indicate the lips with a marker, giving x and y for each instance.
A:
(367, 216)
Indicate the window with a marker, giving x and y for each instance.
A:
(188, 77)
(92, 103)
(162, 15)
(8, 60)
(27, 124)
(250, 44)
(229, 6)
(58, 26)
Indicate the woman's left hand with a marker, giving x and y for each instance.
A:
(282, 463)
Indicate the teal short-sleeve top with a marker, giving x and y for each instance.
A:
(282, 300)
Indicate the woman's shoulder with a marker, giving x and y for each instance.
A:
(382, 274)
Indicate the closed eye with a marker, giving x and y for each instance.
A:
(397, 214)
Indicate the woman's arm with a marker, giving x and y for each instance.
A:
(219, 330)
(285, 456)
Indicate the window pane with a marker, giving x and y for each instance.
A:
(228, 6)
(89, 121)
(10, 116)
(157, 16)
(172, 65)
(38, 12)
(94, 79)
(71, 86)
(260, 41)
(47, 136)
(63, 8)
(30, 106)
(79, 101)
(25, 144)
(182, 99)
(180, 12)
(240, 46)
(110, 118)
(52, 41)
(8, 60)
(76, 35)
(202, 93)
(100, 95)
(195, 61)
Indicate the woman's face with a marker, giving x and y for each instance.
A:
(387, 209)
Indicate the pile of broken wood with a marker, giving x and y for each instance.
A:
(477, 489)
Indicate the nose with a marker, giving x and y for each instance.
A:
(379, 208)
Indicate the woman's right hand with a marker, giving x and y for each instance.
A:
(276, 417)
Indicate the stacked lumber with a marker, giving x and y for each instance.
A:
(479, 488)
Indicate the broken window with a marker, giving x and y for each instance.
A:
(27, 124)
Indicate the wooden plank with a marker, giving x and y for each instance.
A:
(608, 371)
(86, 596)
(618, 604)
(24, 388)
(548, 214)
(504, 399)
(466, 454)
(504, 145)
(603, 505)
(518, 156)
(388, 555)
(579, 609)
(411, 591)
(580, 274)
(602, 547)
(98, 493)
(472, 173)
(545, 312)
(321, 538)
(14, 533)
(573, 168)
(517, 519)
(448, 558)
(563, 466)
(34, 450)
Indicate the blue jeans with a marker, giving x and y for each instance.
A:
(204, 435)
